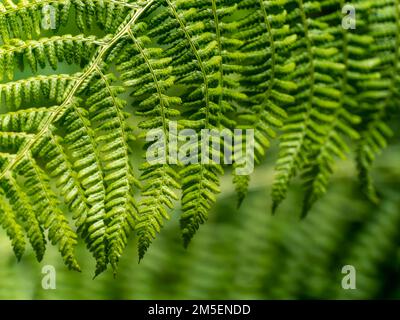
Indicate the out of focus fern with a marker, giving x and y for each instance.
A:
(66, 150)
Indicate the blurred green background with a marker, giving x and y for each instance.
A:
(248, 253)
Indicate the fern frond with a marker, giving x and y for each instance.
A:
(24, 92)
(45, 51)
(150, 76)
(265, 64)
(341, 122)
(373, 141)
(47, 206)
(113, 134)
(315, 129)
(97, 185)
(381, 98)
(24, 19)
(21, 205)
(203, 58)
(81, 143)
(9, 222)
(316, 75)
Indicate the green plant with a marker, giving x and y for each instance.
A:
(273, 257)
(251, 64)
